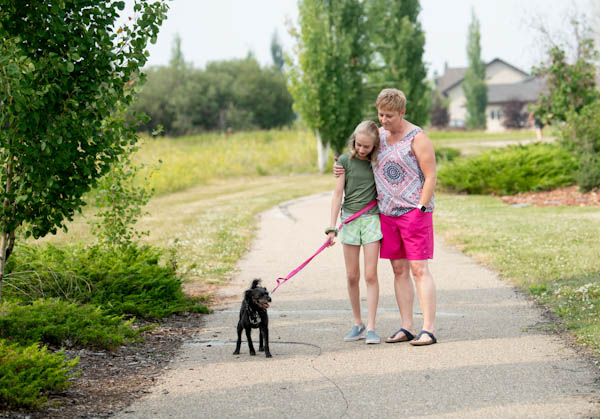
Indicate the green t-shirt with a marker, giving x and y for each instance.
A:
(359, 187)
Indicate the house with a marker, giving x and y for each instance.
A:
(505, 83)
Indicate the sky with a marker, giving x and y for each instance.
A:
(213, 30)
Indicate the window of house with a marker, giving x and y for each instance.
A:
(492, 113)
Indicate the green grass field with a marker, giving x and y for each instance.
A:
(211, 188)
(550, 252)
(194, 160)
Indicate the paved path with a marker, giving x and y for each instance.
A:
(495, 357)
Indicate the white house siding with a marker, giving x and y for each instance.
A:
(457, 107)
(499, 73)
(494, 118)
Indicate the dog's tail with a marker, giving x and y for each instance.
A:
(255, 283)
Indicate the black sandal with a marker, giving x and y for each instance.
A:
(407, 336)
(416, 342)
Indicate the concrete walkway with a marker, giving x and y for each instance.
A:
(495, 356)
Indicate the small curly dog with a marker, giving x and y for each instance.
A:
(253, 315)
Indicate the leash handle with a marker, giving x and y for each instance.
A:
(353, 217)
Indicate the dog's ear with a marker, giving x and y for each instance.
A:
(255, 283)
(248, 296)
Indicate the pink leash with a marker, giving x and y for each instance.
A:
(326, 244)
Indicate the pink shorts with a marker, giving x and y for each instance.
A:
(409, 236)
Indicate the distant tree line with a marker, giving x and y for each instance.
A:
(237, 94)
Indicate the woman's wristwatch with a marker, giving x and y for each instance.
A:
(422, 208)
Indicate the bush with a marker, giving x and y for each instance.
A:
(26, 374)
(59, 323)
(127, 281)
(446, 154)
(510, 170)
(581, 135)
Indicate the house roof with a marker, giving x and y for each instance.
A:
(450, 77)
(456, 75)
(525, 91)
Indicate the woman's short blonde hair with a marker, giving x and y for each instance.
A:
(368, 128)
(392, 100)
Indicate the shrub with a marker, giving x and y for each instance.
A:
(127, 281)
(581, 135)
(446, 154)
(28, 373)
(515, 115)
(59, 323)
(510, 170)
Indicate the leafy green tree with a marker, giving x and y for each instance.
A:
(237, 94)
(66, 75)
(120, 199)
(572, 98)
(439, 111)
(474, 85)
(277, 52)
(327, 79)
(568, 86)
(399, 44)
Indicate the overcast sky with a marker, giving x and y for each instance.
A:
(223, 29)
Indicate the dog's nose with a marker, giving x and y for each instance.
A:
(268, 299)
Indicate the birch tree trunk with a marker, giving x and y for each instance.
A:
(322, 152)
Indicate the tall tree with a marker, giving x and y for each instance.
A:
(399, 44)
(66, 78)
(277, 52)
(474, 85)
(326, 81)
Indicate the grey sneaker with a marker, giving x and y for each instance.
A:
(355, 333)
(372, 337)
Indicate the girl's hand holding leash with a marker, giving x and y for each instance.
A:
(331, 234)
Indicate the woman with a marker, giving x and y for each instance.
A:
(405, 177)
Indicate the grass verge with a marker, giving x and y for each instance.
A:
(550, 252)
(211, 226)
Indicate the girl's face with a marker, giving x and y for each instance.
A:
(389, 119)
(363, 144)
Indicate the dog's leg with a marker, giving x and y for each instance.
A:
(250, 345)
(239, 341)
(265, 334)
(261, 347)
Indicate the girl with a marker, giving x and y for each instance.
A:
(357, 186)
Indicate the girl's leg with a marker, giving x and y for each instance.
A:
(351, 257)
(371, 252)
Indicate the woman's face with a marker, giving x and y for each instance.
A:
(389, 119)
(363, 144)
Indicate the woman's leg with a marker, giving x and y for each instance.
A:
(426, 293)
(371, 252)
(351, 257)
(405, 294)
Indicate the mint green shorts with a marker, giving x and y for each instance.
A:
(365, 229)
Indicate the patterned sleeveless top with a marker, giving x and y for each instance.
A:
(398, 177)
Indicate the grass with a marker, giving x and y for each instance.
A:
(193, 160)
(474, 142)
(550, 252)
(211, 225)
(438, 135)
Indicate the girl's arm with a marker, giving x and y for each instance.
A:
(336, 204)
(423, 149)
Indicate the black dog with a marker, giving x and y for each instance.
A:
(253, 315)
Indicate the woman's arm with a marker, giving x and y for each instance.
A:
(336, 204)
(423, 149)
